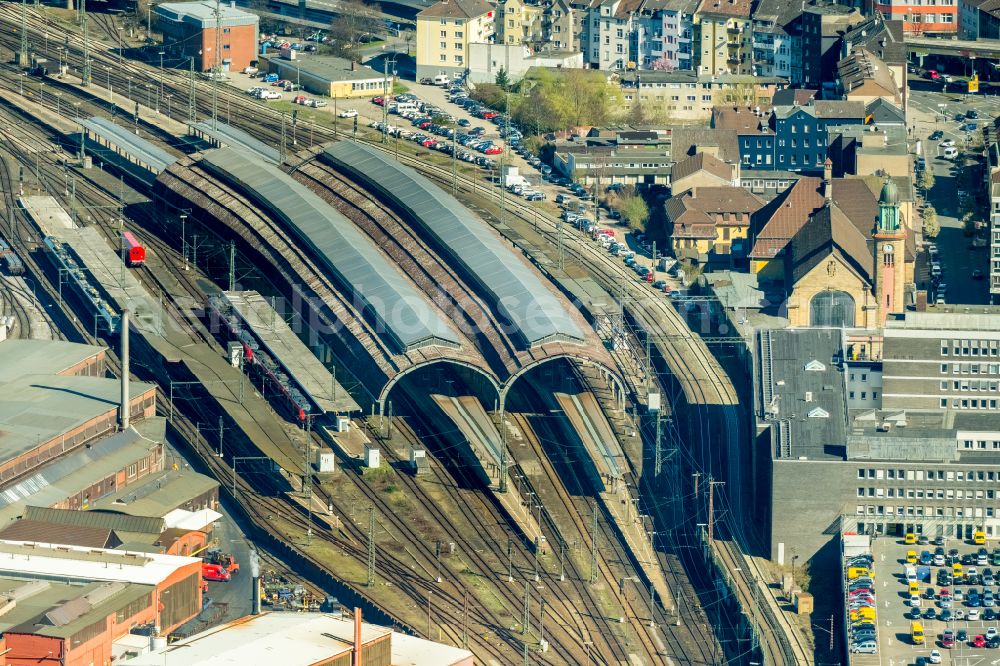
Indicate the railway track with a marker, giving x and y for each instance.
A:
(702, 380)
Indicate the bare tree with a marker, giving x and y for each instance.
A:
(355, 23)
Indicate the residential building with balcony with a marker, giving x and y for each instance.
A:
(723, 41)
(606, 38)
(560, 24)
(991, 134)
(518, 22)
(444, 32)
(664, 30)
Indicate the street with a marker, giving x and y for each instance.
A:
(958, 260)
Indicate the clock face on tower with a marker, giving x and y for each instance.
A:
(887, 248)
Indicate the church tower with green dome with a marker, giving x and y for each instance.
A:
(890, 253)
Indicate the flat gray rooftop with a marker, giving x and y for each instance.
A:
(144, 153)
(799, 378)
(32, 357)
(281, 342)
(226, 135)
(516, 290)
(401, 311)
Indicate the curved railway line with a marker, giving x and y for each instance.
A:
(703, 382)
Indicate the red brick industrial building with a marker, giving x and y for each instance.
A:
(189, 31)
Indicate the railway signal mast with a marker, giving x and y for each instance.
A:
(217, 65)
(22, 56)
(85, 77)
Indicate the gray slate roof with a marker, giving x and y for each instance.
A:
(401, 311)
(515, 289)
(126, 140)
(227, 135)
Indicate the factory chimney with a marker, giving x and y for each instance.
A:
(357, 637)
(255, 574)
(123, 408)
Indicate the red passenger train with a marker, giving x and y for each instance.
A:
(135, 253)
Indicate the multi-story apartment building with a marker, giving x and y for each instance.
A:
(822, 28)
(839, 464)
(723, 41)
(518, 22)
(688, 97)
(663, 35)
(775, 26)
(444, 32)
(992, 172)
(788, 138)
(606, 37)
(563, 22)
(922, 17)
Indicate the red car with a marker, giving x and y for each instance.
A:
(428, 143)
(948, 639)
(490, 115)
(933, 75)
(378, 100)
(979, 641)
(215, 572)
(493, 150)
(649, 278)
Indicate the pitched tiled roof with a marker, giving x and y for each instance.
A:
(839, 108)
(782, 218)
(743, 120)
(830, 232)
(864, 67)
(711, 206)
(736, 8)
(690, 140)
(56, 533)
(881, 37)
(793, 97)
(463, 9)
(701, 162)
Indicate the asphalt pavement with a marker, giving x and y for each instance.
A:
(958, 260)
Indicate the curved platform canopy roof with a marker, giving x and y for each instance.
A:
(400, 310)
(516, 290)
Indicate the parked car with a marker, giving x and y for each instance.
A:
(936, 135)
(348, 113)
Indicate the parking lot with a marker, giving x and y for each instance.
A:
(896, 647)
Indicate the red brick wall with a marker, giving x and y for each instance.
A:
(242, 43)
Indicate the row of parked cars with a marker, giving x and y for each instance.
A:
(428, 141)
(860, 603)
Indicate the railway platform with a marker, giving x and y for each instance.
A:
(484, 441)
(278, 338)
(36, 106)
(620, 501)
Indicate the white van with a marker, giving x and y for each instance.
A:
(950, 153)
(442, 80)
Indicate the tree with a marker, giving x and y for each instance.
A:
(637, 115)
(662, 65)
(931, 227)
(502, 79)
(635, 211)
(926, 180)
(355, 22)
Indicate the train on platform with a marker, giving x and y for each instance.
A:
(12, 263)
(257, 360)
(135, 253)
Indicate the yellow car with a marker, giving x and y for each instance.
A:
(979, 538)
(910, 539)
(911, 557)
